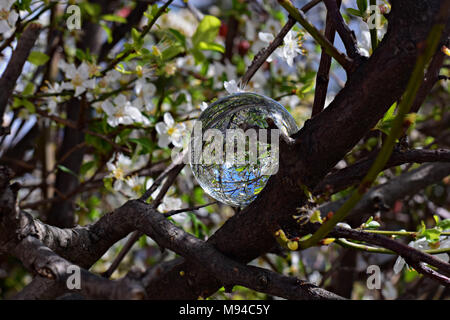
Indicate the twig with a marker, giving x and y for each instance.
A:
(147, 28)
(407, 252)
(300, 17)
(352, 174)
(322, 78)
(347, 35)
(174, 212)
(264, 53)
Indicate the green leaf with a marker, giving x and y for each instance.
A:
(146, 144)
(354, 12)
(432, 235)
(24, 5)
(67, 170)
(92, 9)
(108, 32)
(207, 30)
(171, 52)
(444, 224)
(211, 46)
(85, 167)
(113, 18)
(29, 89)
(385, 124)
(138, 41)
(362, 5)
(28, 105)
(38, 58)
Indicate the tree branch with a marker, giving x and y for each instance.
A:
(264, 53)
(353, 174)
(15, 65)
(383, 196)
(348, 36)
(322, 78)
(299, 16)
(24, 237)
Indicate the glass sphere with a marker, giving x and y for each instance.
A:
(234, 146)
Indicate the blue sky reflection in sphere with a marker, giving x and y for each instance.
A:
(236, 123)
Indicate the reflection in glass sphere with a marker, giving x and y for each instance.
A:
(234, 149)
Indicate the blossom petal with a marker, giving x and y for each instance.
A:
(265, 36)
(168, 119)
(161, 127)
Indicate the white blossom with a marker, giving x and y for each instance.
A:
(232, 87)
(121, 111)
(52, 101)
(268, 38)
(79, 77)
(145, 91)
(169, 131)
(290, 49)
(8, 16)
(135, 186)
(170, 203)
(118, 170)
(422, 244)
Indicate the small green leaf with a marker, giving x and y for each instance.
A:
(211, 46)
(146, 144)
(113, 18)
(38, 58)
(29, 89)
(362, 5)
(67, 170)
(432, 235)
(207, 30)
(28, 105)
(315, 217)
(85, 167)
(444, 224)
(108, 32)
(354, 12)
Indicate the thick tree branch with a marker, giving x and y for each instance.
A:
(410, 254)
(43, 261)
(321, 143)
(24, 237)
(353, 174)
(383, 196)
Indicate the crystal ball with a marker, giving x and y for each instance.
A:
(234, 146)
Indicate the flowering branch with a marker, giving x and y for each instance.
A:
(386, 151)
(264, 53)
(299, 16)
